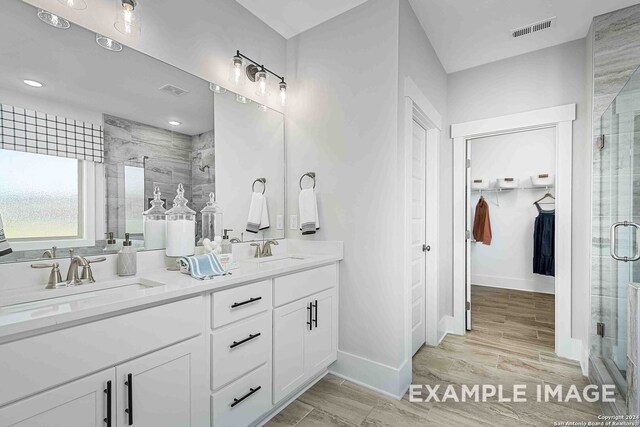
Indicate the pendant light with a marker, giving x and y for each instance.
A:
(283, 92)
(74, 4)
(128, 17)
(236, 71)
(261, 82)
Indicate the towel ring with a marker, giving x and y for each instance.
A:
(311, 175)
(264, 185)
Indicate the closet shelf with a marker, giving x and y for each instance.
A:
(500, 190)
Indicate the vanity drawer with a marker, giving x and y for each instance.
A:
(249, 402)
(239, 303)
(239, 349)
(34, 364)
(299, 285)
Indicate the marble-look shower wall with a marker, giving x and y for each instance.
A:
(165, 155)
(616, 55)
(202, 172)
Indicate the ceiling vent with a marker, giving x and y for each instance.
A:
(534, 28)
(173, 90)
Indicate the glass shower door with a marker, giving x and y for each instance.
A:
(616, 213)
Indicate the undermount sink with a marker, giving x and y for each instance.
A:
(77, 294)
(278, 262)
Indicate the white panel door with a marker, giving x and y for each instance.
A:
(467, 273)
(418, 266)
(81, 403)
(290, 325)
(157, 390)
(320, 339)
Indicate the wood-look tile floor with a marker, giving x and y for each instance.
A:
(511, 343)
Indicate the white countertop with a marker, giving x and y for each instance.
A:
(39, 310)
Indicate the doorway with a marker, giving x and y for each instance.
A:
(560, 120)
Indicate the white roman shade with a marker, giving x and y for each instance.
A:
(42, 133)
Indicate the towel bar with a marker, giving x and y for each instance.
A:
(264, 184)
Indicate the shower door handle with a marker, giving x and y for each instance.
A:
(614, 235)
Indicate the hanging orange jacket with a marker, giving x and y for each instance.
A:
(481, 223)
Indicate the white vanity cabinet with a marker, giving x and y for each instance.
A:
(305, 328)
(81, 403)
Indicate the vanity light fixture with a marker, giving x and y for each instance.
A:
(256, 73)
(174, 123)
(216, 88)
(108, 43)
(74, 4)
(53, 19)
(128, 17)
(33, 83)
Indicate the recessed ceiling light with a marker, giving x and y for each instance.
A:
(216, 88)
(53, 19)
(242, 99)
(32, 83)
(174, 123)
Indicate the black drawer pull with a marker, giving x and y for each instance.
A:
(251, 391)
(129, 410)
(310, 322)
(249, 301)
(315, 318)
(108, 393)
(249, 338)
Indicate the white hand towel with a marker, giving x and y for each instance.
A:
(308, 206)
(5, 249)
(258, 213)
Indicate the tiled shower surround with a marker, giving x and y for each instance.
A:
(616, 190)
(169, 158)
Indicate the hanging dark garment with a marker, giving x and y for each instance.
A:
(482, 223)
(544, 242)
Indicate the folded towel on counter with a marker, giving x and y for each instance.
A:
(258, 213)
(308, 206)
(202, 266)
(5, 249)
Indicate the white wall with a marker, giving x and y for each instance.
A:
(418, 60)
(342, 124)
(540, 79)
(199, 37)
(507, 262)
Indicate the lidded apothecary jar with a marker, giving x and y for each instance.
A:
(211, 219)
(154, 222)
(181, 227)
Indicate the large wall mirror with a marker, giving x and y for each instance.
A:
(90, 128)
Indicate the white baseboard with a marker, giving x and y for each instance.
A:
(445, 326)
(515, 283)
(387, 380)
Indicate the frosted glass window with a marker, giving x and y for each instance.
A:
(134, 198)
(39, 195)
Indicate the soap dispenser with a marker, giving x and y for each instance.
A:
(181, 227)
(127, 258)
(226, 243)
(112, 245)
(211, 219)
(155, 223)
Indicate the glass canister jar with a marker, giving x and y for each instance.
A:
(154, 222)
(211, 219)
(181, 227)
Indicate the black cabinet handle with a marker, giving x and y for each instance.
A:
(249, 338)
(249, 301)
(108, 393)
(129, 410)
(251, 391)
(310, 322)
(315, 318)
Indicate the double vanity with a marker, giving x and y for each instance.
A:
(164, 349)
